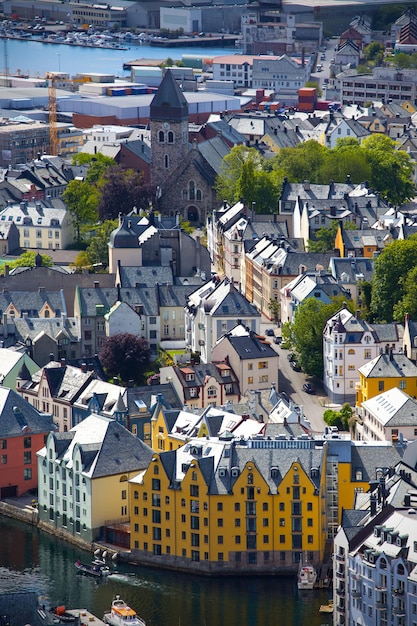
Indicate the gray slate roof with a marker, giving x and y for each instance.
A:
(16, 415)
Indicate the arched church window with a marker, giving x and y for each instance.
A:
(191, 190)
(166, 161)
(170, 137)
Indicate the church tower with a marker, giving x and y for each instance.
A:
(169, 130)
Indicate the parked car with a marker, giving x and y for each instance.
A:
(308, 388)
(323, 57)
(269, 332)
(278, 340)
(295, 366)
(291, 356)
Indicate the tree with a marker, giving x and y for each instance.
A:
(341, 419)
(98, 248)
(126, 356)
(391, 169)
(302, 162)
(373, 50)
(408, 303)
(307, 332)
(96, 165)
(27, 259)
(121, 190)
(273, 307)
(325, 239)
(81, 199)
(392, 267)
(231, 172)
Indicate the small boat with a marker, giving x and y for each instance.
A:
(307, 576)
(95, 569)
(121, 614)
(327, 608)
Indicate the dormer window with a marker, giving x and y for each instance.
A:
(190, 376)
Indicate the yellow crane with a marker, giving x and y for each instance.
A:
(53, 130)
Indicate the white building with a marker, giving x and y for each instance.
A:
(388, 417)
(348, 343)
(213, 310)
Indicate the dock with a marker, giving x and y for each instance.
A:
(220, 41)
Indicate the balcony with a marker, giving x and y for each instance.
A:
(340, 557)
(340, 573)
(399, 611)
(398, 592)
(355, 576)
(381, 604)
(356, 593)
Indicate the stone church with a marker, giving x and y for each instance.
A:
(183, 174)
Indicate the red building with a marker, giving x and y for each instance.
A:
(23, 431)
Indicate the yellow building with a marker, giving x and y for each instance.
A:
(221, 505)
(385, 372)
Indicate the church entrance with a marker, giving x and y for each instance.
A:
(192, 214)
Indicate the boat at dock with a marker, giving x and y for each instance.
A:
(307, 576)
(121, 614)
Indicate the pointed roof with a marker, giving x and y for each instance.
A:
(24, 373)
(169, 102)
(120, 405)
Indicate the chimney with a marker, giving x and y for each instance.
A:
(306, 185)
(373, 501)
(41, 290)
(51, 356)
(96, 284)
(358, 314)
(63, 362)
(84, 368)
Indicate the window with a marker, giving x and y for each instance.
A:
(27, 458)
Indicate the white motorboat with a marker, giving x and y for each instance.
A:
(307, 576)
(121, 614)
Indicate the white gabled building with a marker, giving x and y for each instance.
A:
(388, 416)
(213, 310)
(348, 343)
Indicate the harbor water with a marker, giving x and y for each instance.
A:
(34, 561)
(35, 58)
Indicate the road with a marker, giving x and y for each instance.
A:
(329, 92)
(292, 382)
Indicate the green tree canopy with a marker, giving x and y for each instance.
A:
(229, 181)
(391, 169)
(307, 332)
(391, 279)
(27, 259)
(81, 199)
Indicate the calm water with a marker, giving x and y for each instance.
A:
(33, 561)
(36, 58)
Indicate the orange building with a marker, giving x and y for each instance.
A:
(23, 431)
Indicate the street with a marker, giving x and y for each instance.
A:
(292, 382)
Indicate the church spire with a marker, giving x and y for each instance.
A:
(169, 102)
